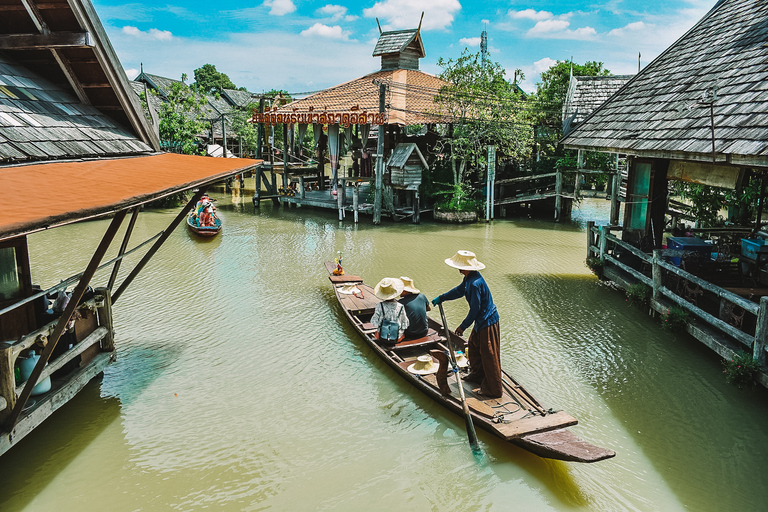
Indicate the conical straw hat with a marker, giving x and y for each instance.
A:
(388, 288)
(461, 360)
(408, 285)
(464, 260)
(424, 365)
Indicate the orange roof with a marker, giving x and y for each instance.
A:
(410, 97)
(65, 192)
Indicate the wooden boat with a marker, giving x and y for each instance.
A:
(203, 230)
(516, 417)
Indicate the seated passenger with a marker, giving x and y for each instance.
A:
(416, 307)
(389, 316)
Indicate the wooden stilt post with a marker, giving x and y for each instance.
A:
(416, 207)
(615, 186)
(761, 332)
(558, 194)
(656, 273)
(579, 175)
(602, 241)
(340, 202)
(379, 160)
(105, 319)
(590, 237)
(355, 200)
(302, 192)
(257, 187)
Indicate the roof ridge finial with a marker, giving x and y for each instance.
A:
(142, 67)
(379, 24)
(418, 30)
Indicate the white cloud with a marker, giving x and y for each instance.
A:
(153, 33)
(320, 30)
(470, 41)
(546, 26)
(438, 14)
(543, 64)
(131, 73)
(631, 27)
(531, 14)
(280, 7)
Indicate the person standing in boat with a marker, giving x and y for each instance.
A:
(416, 307)
(389, 310)
(484, 341)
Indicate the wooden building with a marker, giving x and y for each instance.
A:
(71, 127)
(587, 93)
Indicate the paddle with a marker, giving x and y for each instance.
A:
(471, 434)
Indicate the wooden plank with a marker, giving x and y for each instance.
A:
(534, 424)
(480, 407)
(46, 41)
(52, 401)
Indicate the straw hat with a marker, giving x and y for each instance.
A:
(424, 365)
(408, 285)
(388, 288)
(349, 289)
(461, 359)
(464, 260)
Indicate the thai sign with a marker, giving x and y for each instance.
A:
(342, 118)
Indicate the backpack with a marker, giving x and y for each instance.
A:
(389, 330)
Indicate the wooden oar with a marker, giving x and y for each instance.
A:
(467, 416)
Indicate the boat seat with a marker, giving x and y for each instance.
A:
(431, 338)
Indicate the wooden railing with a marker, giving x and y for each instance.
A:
(653, 269)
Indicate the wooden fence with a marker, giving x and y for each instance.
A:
(673, 285)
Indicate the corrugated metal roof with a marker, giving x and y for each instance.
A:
(669, 100)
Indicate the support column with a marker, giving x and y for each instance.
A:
(558, 194)
(761, 332)
(656, 273)
(379, 161)
(105, 319)
(615, 187)
(355, 199)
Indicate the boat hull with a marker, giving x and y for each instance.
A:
(204, 231)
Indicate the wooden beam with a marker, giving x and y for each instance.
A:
(42, 7)
(46, 41)
(95, 85)
(69, 73)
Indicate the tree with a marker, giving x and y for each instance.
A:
(208, 80)
(247, 132)
(485, 109)
(182, 119)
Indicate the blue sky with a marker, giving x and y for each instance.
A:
(305, 45)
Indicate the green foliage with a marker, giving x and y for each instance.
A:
(596, 265)
(485, 109)
(639, 294)
(706, 202)
(247, 132)
(209, 80)
(675, 319)
(182, 119)
(458, 198)
(740, 370)
(172, 201)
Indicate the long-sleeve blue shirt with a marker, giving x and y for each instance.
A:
(482, 310)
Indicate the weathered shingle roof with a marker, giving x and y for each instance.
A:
(663, 111)
(410, 97)
(396, 41)
(402, 153)
(41, 121)
(239, 99)
(586, 93)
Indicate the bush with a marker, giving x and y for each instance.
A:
(740, 370)
(595, 265)
(675, 319)
(639, 294)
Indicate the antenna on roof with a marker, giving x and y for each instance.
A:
(638, 62)
(142, 67)
(379, 24)
(422, 19)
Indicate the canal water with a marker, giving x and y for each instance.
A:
(240, 386)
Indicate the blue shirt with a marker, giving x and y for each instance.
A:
(482, 310)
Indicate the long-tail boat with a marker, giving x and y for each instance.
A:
(204, 231)
(516, 417)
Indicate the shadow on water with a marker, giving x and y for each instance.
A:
(701, 434)
(496, 453)
(39, 458)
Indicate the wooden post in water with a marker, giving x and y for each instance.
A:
(579, 175)
(340, 202)
(379, 160)
(602, 242)
(302, 193)
(558, 194)
(656, 273)
(7, 383)
(416, 207)
(590, 237)
(761, 332)
(257, 187)
(355, 199)
(105, 319)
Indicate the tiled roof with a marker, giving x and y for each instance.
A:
(410, 97)
(586, 93)
(663, 110)
(395, 41)
(41, 121)
(240, 99)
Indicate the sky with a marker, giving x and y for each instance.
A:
(303, 45)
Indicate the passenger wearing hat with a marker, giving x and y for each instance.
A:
(388, 290)
(416, 307)
(484, 341)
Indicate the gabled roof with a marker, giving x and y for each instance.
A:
(410, 97)
(586, 93)
(239, 99)
(664, 111)
(397, 41)
(64, 43)
(42, 121)
(402, 153)
(159, 83)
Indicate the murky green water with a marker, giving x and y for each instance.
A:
(239, 385)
